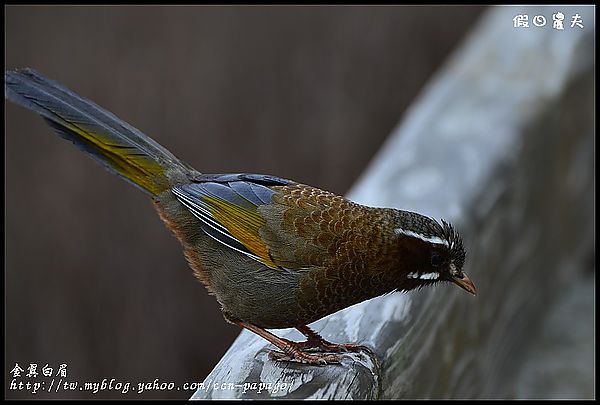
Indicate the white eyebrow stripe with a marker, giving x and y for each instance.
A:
(424, 276)
(436, 240)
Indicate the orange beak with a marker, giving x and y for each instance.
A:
(464, 283)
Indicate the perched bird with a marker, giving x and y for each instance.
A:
(275, 253)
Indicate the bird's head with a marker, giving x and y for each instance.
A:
(430, 252)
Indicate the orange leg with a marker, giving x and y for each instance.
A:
(290, 350)
(315, 341)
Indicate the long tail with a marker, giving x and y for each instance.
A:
(123, 149)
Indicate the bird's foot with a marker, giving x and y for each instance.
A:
(315, 350)
(296, 355)
(291, 351)
(323, 345)
(315, 342)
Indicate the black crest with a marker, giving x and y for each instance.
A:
(457, 251)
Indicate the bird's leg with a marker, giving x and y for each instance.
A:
(315, 341)
(290, 350)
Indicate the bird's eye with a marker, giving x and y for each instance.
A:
(436, 259)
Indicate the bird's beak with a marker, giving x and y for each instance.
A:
(464, 283)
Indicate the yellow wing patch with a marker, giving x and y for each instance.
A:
(244, 224)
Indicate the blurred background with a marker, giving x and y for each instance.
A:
(93, 279)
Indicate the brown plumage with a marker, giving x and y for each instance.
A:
(274, 253)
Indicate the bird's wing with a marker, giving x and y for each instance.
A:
(227, 205)
(311, 228)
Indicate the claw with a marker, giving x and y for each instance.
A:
(319, 359)
(315, 350)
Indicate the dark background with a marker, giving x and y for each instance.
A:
(93, 279)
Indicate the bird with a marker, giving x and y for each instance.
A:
(274, 252)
